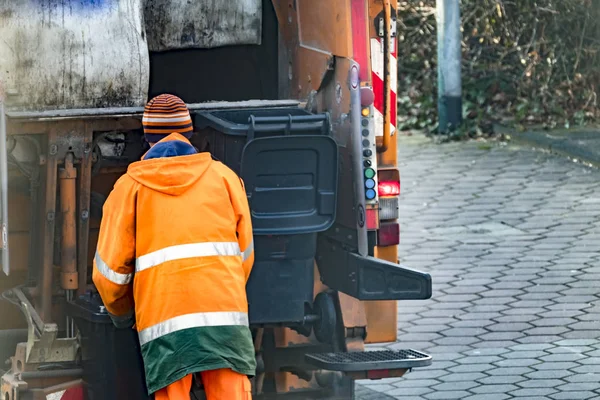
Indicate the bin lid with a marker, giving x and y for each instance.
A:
(291, 183)
(88, 307)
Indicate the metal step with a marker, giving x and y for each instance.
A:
(369, 360)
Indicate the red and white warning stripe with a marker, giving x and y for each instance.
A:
(377, 77)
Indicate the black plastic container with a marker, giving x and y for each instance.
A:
(227, 132)
(289, 166)
(112, 361)
(281, 284)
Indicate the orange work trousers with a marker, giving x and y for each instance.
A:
(219, 384)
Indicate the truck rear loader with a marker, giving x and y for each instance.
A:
(298, 97)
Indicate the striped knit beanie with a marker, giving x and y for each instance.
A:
(166, 114)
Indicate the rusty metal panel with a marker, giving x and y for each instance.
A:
(73, 54)
(326, 26)
(184, 24)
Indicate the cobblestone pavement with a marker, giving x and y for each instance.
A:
(511, 237)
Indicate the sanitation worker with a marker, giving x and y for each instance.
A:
(174, 254)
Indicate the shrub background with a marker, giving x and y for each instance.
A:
(525, 62)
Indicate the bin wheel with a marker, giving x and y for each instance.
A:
(324, 328)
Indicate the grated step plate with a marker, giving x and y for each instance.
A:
(369, 360)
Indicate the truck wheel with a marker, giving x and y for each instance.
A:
(324, 307)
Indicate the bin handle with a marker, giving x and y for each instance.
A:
(285, 123)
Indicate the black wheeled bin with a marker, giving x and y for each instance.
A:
(111, 357)
(226, 132)
(288, 162)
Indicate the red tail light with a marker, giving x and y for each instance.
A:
(388, 234)
(389, 188)
(372, 219)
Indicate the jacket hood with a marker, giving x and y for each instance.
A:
(171, 166)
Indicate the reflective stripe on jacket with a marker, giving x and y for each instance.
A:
(174, 253)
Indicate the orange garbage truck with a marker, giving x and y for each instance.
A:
(298, 97)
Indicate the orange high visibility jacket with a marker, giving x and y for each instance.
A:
(174, 254)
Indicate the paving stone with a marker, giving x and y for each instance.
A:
(470, 368)
(448, 349)
(516, 310)
(455, 385)
(518, 362)
(427, 374)
(530, 392)
(470, 323)
(532, 346)
(575, 299)
(589, 377)
(414, 337)
(494, 351)
(546, 330)
(588, 325)
(447, 395)
(553, 322)
(579, 386)
(511, 285)
(549, 374)
(539, 296)
(580, 334)
(574, 395)
(562, 357)
(501, 336)
(463, 332)
(504, 388)
(547, 365)
(478, 360)
(457, 340)
(509, 371)
(572, 349)
(539, 338)
(587, 369)
(483, 345)
(501, 379)
(577, 342)
(478, 316)
(518, 318)
(497, 396)
(508, 327)
(541, 383)
(525, 354)
(426, 328)
(467, 376)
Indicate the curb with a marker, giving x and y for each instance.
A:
(570, 144)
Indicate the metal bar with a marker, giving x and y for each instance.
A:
(357, 163)
(48, 242)
(57, 388)
(68, 253)
(34, 234)
(37, 321)
(57, 373)
(68, 205)
(4, 196)
(85, 188)
(449, 65)
(117, 112)
(387, 95)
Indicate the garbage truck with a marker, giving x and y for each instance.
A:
(298, 97)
